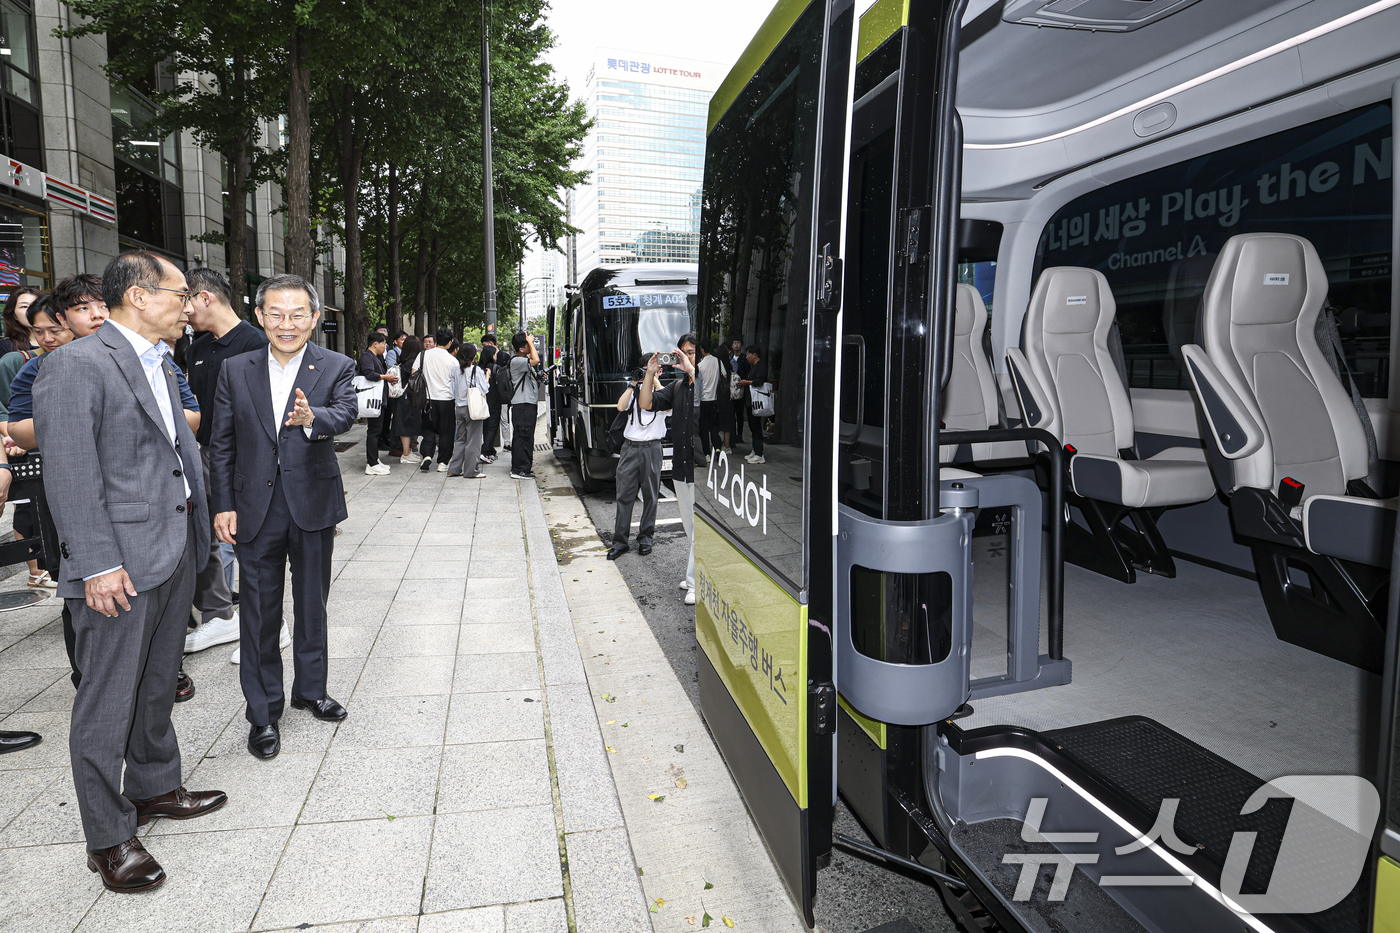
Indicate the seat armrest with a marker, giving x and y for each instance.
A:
(1030, 395)
(1350, 528)
(1234, 430)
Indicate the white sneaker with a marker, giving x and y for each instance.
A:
(683, 585)
(211, 633)
(377, 469)
(409, 458)
(283, 641)
(690, 597)
(758, 459)
(442, 468)
(383, 469)
(482, 458)
(750, 458)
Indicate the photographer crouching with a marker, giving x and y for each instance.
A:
(682, 400)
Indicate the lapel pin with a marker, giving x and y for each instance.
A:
(311, 367)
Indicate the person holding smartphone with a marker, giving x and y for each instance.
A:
(682, 400)
(639, 467)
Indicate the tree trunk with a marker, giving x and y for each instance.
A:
(420, 296)
(433, 289)
(301, 252)
(395, 289)
(238, 203)
(351, 159)
(390, 317)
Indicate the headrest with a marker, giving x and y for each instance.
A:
(1072, 300)
(1270, 282)
(969, 310)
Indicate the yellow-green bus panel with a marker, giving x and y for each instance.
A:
(1387, 896)
(871, 727)
(779, 21)
(879, 23)
(755, 635)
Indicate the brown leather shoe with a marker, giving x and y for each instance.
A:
(184, 686)
(126, 867)
(179, 804)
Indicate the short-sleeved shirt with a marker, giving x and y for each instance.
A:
(10, 364)
(522, 377)
(206, 357)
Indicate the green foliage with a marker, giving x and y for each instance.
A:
(390, 83)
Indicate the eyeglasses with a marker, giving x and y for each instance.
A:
(184, 293)
(296, 317)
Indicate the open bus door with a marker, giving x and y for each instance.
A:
(770, 273)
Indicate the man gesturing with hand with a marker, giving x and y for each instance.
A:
(277, 497)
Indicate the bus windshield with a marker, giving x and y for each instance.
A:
(624, 326)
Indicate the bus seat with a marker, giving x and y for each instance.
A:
(1067, 383)
(970, 400)
(1277, 416)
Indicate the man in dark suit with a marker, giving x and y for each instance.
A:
(277, 494)
(122, 478)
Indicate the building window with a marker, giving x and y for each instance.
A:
(25, 257)
(150, 212)
(20, 127)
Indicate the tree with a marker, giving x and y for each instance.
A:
(225, 85)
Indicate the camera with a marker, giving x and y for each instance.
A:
(636, 375)
(668, 359)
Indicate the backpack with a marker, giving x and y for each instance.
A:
(416, 390)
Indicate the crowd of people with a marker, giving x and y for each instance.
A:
(167, 458)
(454, 395)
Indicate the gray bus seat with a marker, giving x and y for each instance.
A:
(970, 400)
(1067, 383)
(1278, 417)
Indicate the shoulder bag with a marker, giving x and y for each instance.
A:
(477, 408)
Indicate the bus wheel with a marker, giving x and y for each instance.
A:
(589, 482)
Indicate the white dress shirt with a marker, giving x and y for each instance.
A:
(153, 362)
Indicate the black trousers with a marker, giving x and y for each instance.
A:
(491, 434)
(262, 563)
(756, 429)
(522, 437)
(372, 434)
(741, 414)
(386, 421)
(710, 435)
(439, 430)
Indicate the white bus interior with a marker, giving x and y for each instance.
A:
(1178, 231)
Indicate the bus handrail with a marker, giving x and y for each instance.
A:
(1055, 586)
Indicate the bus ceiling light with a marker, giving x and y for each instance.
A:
(1341, 22)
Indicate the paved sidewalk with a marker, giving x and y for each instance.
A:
(469, 789)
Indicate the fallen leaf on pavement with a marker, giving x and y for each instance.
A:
(727, 921)
(610, 749)
(656, 798)
(681, 782)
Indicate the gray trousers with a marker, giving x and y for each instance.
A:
(639, 470)
(466, 453)
(121, 714)
(213, 596)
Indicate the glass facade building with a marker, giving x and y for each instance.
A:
(646, 159)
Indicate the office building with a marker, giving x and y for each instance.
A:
(85, 179)
(646, 159)
(544, 273)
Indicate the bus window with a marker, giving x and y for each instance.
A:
(624, 328)
(755, 255)
(1155, 236)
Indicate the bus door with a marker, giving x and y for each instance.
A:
(904, 560)
(769, 276)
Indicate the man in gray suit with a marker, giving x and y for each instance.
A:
(122, 478)
(277, 497)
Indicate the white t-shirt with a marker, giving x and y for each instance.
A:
(709, 378)
(438, 368)
(645, 425)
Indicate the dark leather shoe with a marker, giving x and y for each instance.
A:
(179, 804)
(264, 741)
(18, 741)
(126, 867)
(324, 709)
(184, 687)
(644, 548)
(617, 550)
